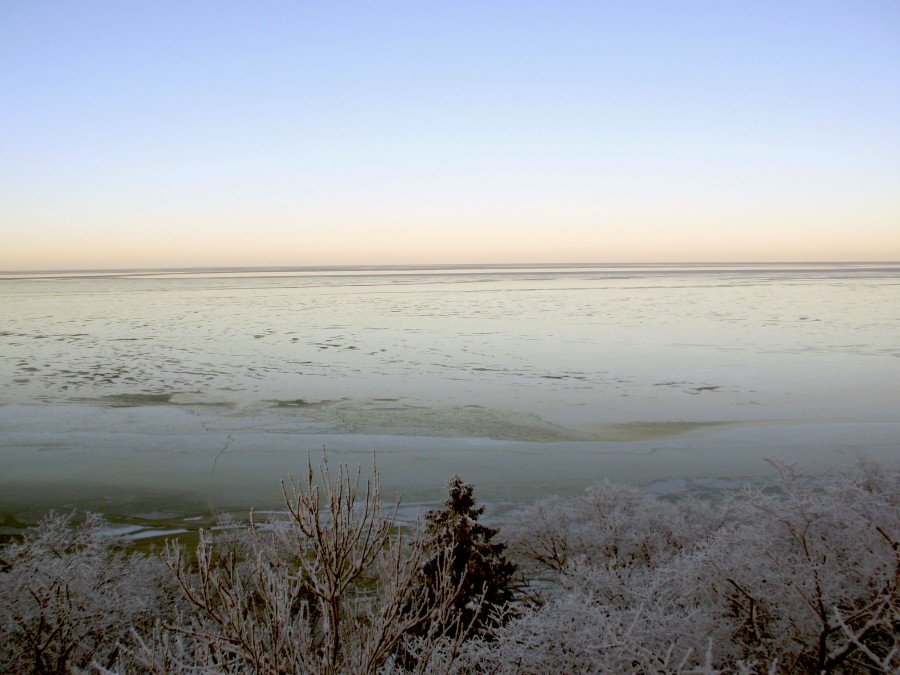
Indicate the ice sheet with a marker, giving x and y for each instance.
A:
(208, 388)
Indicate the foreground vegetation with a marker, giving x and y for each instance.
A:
(802, 579)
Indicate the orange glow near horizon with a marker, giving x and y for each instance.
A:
(629, 233)
(337, 246)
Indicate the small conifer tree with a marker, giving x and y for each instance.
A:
(458, 545)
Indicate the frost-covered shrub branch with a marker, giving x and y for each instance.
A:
(70, 597)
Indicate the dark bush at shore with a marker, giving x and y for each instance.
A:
(803, 579)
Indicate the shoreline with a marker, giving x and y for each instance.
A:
(125, 460)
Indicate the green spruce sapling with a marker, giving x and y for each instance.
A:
(458, 545)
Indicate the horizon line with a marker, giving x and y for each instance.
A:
(432, 266)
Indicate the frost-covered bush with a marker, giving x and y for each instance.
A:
(801, 581)
(331, 590)
(812, 578)
(615, 596)
(611, 523)
(69, 597)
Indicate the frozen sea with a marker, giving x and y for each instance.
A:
(207, 387)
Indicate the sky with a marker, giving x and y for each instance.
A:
(201, 134)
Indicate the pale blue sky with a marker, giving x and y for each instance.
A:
(266, 133)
